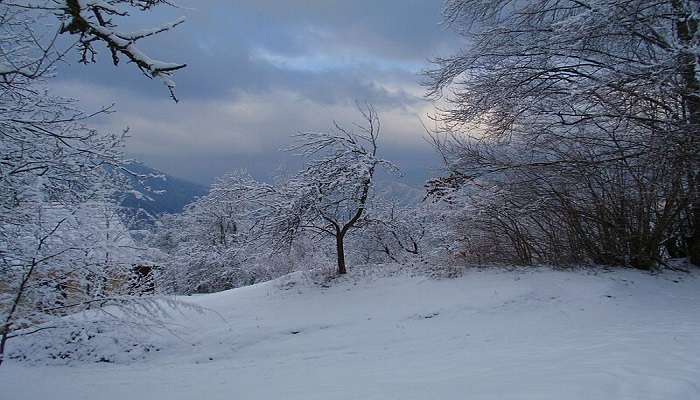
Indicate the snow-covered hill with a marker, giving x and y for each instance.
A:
(488, 335)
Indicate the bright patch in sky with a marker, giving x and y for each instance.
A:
(321, 62)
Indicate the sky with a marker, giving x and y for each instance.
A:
(261, 70)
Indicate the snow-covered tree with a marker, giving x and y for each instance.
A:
(60, 241)
(62, 257)
(397, 233)
(203, 244)
(242, 225)
(330, 196)
(216, 243)
(586, 111)
(29, 48)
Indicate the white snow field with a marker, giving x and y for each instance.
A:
(491, 334)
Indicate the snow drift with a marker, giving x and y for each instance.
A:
(490, 334)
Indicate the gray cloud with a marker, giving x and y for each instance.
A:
(259, 70)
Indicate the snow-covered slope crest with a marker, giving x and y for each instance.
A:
(491, 334)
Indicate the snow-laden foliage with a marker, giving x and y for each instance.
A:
(114, 330)
(30, 30)
(571, 130)
(245, 231)
(327, 199)
(212, 245)
(402, 234)
(63, 246)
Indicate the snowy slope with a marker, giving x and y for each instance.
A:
(488, 335)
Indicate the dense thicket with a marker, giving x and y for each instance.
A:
(572, 130)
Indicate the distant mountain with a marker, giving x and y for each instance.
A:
(400, 193)
(154, 193)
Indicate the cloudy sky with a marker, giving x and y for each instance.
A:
(261, 70)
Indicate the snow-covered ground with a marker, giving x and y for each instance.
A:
(488, 335)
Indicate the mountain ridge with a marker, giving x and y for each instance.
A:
(153, 193)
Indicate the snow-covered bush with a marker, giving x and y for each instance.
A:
(403, 234)
(213, 244)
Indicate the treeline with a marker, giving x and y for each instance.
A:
(327, 215)
(569, 132)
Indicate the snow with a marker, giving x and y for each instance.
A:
(140, 196)
(491, 334)
(5, 69)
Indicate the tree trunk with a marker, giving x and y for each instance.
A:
(694, 239)
(3, 341)
(6, 327)
(340, 250)
(686, 28)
